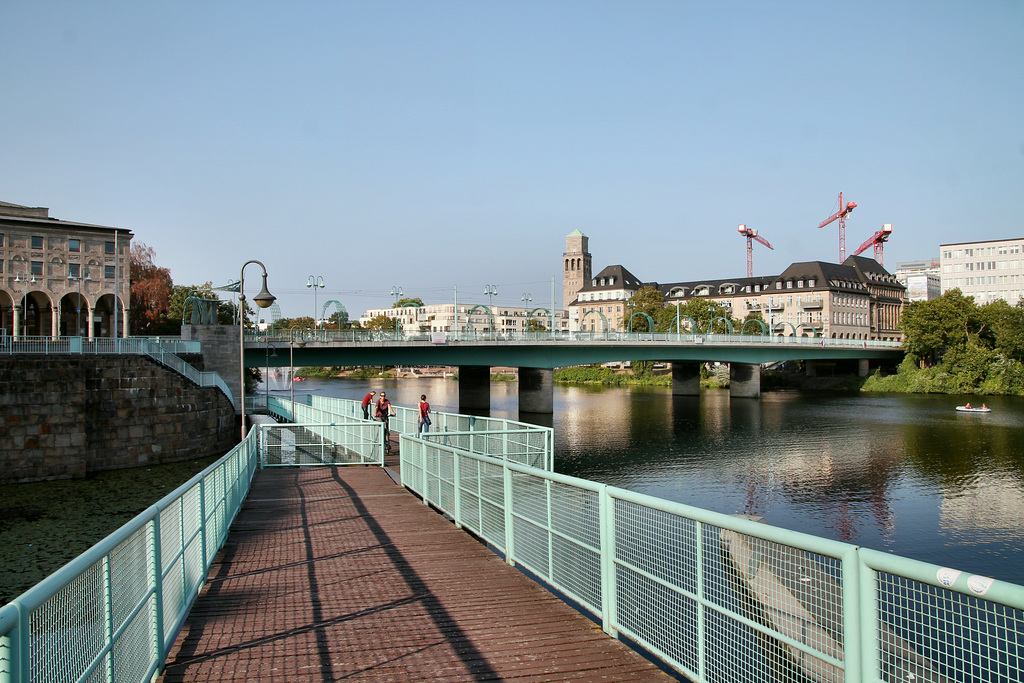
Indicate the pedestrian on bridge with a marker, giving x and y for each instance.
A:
(366, 404)
(424, 422)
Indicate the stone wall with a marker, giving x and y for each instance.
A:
(68, 416)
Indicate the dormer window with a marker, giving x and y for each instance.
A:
(593, 283)
(778, 285)
(800, 284)
(611, 281)
(789, 284)
(810, 283)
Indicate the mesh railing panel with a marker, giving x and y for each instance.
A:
(68, 631)
(130, 575)
(134, 651)
(929, 633)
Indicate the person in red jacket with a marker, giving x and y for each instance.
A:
(366, 404)
(423, 425)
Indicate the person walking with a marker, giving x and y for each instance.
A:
(366, 404)
(383, 412)
(424, 422)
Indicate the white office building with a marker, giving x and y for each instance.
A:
(987, 271)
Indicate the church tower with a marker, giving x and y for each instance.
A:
(576, 266)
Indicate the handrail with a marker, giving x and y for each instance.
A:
(120, 604)
(695, 587)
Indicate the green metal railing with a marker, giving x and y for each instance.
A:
(162, 350)
(721, 598)
(519, 336)
(112, 613)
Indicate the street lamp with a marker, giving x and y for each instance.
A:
(396, 292)
(24, 302)
(315, 281)
(78, 309)
(527, 300)
(263, 300)
(490, 291)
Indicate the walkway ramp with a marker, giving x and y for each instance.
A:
(339, 573)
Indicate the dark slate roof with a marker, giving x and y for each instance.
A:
(715, 287)
(623, 279)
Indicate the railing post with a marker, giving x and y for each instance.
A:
(108, 618)
(609, 613)
(852, 617)
(457, 479)
(202, 524)
(869, 622)
(510, 554)
(158, 594)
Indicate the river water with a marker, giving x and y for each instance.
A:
(899, 473)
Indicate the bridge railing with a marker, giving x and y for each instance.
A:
(722, 598)
(160, 349)
(518, 441)
(513, 336)
(113, 612)
(318, 436)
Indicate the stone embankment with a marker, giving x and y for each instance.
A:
(68, 416)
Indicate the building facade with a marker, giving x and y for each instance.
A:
(923, 279)
(857, 299)
(474, 318)
(59, 278)
(985, 270)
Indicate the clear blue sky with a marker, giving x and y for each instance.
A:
(432, 144)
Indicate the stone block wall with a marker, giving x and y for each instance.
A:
(67, 416)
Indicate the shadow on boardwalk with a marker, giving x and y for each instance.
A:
(335, 574)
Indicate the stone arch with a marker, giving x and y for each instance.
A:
(102, 324)
(74, 315)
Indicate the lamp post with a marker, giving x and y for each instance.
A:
(396, 292)
(527, 300)
(315, 281)
(490, 291)
(78, 309)
(263, 300)
(24, 303)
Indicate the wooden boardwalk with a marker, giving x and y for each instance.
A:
(335, 573)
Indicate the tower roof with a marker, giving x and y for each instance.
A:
(576, 233)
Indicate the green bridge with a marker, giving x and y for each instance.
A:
(537, 354)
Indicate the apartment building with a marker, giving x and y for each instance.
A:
(987, 270)
(479, 317)
(923, 279)
(857, 299)
(60, 278)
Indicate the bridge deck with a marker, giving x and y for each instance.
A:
(340, 573)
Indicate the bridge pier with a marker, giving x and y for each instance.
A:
(685, 379)
(744, 380)
(474, 388)
(536, 390)
(863, 367)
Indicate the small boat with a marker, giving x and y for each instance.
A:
(969, 409)
(299, 379)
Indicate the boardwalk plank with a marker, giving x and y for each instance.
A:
(340, 574)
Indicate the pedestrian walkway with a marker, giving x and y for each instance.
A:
(339, 573)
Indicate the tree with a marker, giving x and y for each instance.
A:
(150, 290)
(534, 325)
(380, 322)
(647, 300)
(935, 326)
(408, 300)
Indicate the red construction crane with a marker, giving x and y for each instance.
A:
(751, 235)
(841, 215)
(877, 240)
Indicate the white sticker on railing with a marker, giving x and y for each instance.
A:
(979, 585)
(947, 577)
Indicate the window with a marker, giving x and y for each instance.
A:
(1, 239)
(108, 271)
(74, 245)
(778, 285)
(36, 268)
(37, 242)
(1, 265)
(108, 247)
(789, 284)
(810, 283)
(74, 269)
(800, 283)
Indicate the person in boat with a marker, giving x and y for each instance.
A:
(984, 407)
(968, 406)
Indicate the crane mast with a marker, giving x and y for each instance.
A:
(840, 215)
(751, 235)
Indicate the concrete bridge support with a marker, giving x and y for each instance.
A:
(744, 380)
(474, 388)
(863, 367)
(685, 379)
(536, 390)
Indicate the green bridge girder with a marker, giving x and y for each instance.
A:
(555, 354)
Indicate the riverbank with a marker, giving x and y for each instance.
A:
(47, 524)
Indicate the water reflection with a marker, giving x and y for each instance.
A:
(900, 473)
